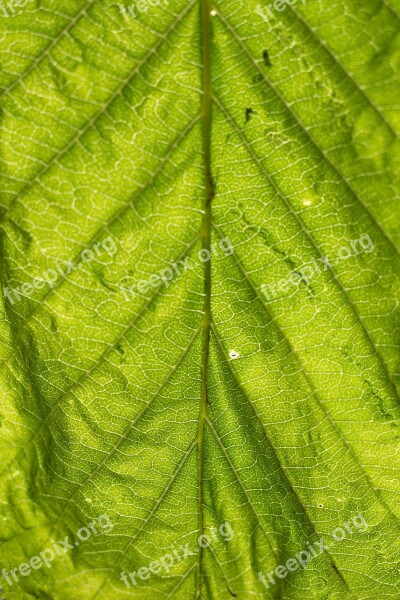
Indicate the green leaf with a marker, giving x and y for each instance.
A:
(150, 395)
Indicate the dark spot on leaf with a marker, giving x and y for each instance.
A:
(231, 592)
(257, 78)
(267, 62)
(249, 112)
(53, 324)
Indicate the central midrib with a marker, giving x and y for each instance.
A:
(206, 112)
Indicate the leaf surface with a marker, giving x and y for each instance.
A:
(241, 390)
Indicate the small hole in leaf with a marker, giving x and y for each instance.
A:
(249, 112)
(267, 61)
